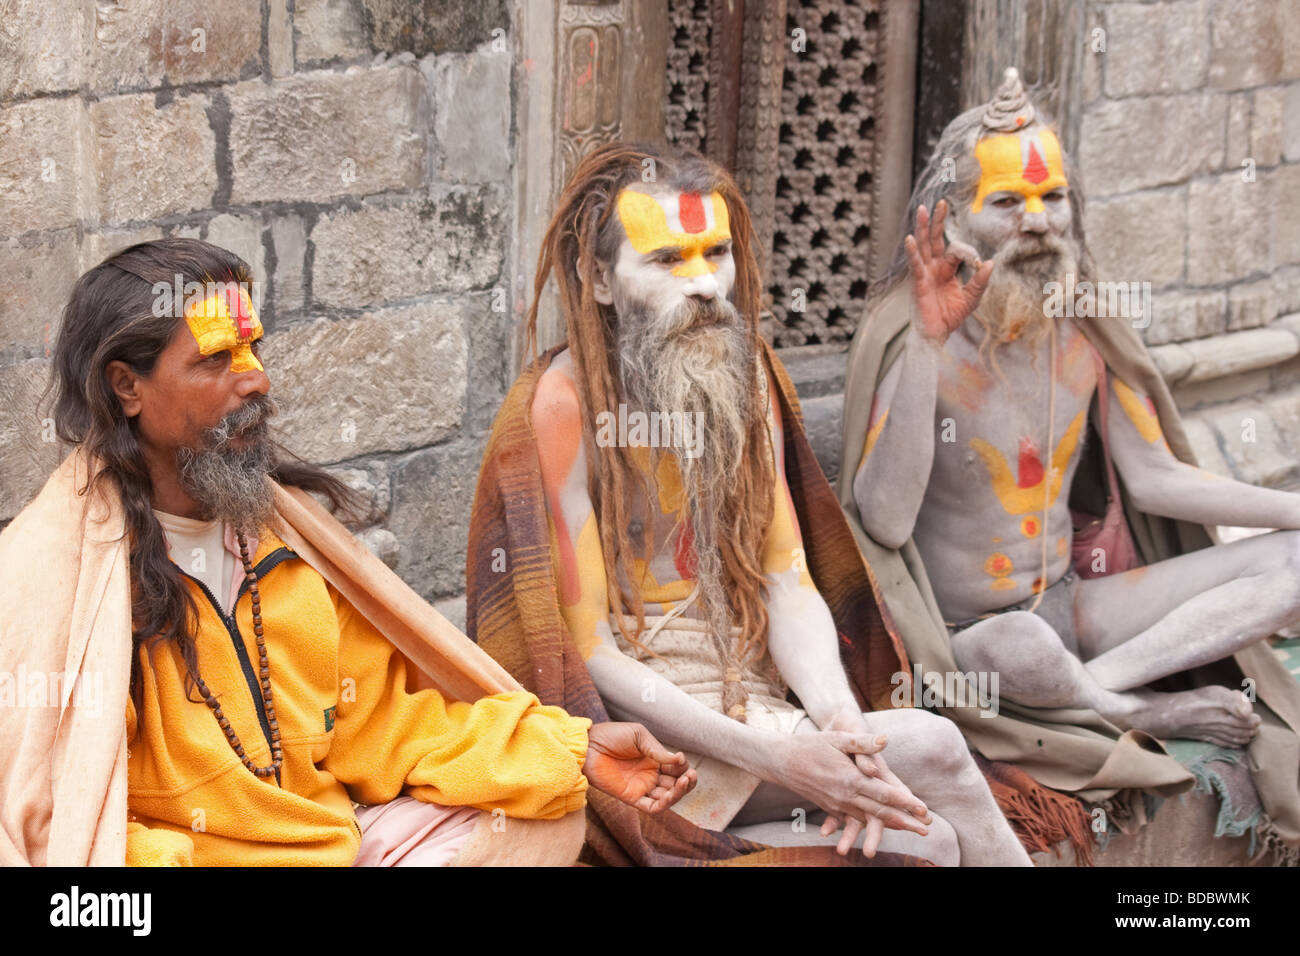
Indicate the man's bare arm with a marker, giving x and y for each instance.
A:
(804, 645)
(1160, 484)
(899, 452)
(801, 634)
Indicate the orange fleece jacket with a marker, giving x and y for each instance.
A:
(351, 726)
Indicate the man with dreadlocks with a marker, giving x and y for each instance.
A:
(270, 669)
(686, 563)
(967, 416)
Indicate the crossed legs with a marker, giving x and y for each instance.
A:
(1139, 626)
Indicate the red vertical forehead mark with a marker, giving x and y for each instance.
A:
(690, 209)
(1031, 466)
(1035, 168)
(239, 312)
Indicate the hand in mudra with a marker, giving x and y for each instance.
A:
(942, 302)
(627, 762)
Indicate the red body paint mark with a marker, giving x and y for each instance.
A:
(1031, 466)
(1035, 169)
(243, 321)
(690, 209)
(684, 552)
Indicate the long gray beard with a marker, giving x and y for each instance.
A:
(1013, 307)
(229, 483)
(699, 360)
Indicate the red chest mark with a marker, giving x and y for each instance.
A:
(1031, 466)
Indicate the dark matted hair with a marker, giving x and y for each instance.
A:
(109, 317)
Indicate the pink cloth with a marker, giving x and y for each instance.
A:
(410, 832)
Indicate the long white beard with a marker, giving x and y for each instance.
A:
(1013, 307)
(698, 360)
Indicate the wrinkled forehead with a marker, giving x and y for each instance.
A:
(1028, 162)
(668, 218)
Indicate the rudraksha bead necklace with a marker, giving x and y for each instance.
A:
(277, 754)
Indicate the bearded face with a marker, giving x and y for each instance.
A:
(683, 347)
(226, 474)
(1022, 219)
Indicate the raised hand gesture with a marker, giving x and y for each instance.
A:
(627, 762)
(943, 303)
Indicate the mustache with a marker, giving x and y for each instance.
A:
(1025, 248)
(247, 421)
(698, 314)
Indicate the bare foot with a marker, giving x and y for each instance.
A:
(1217, 715)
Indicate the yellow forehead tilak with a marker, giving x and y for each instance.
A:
(1027, 163)
(703, 224)
(217, 327)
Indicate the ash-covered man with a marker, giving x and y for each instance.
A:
(259, 653)
(696, 541)
(966, 420)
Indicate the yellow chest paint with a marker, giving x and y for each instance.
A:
(1017, 498)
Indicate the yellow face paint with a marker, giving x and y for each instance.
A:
(1026, 163)
(226, 321)
(688, 222)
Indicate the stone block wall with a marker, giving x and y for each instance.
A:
(359, 154)
(1190, 145)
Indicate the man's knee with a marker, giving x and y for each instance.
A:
(1015, 636)
(937, 742)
